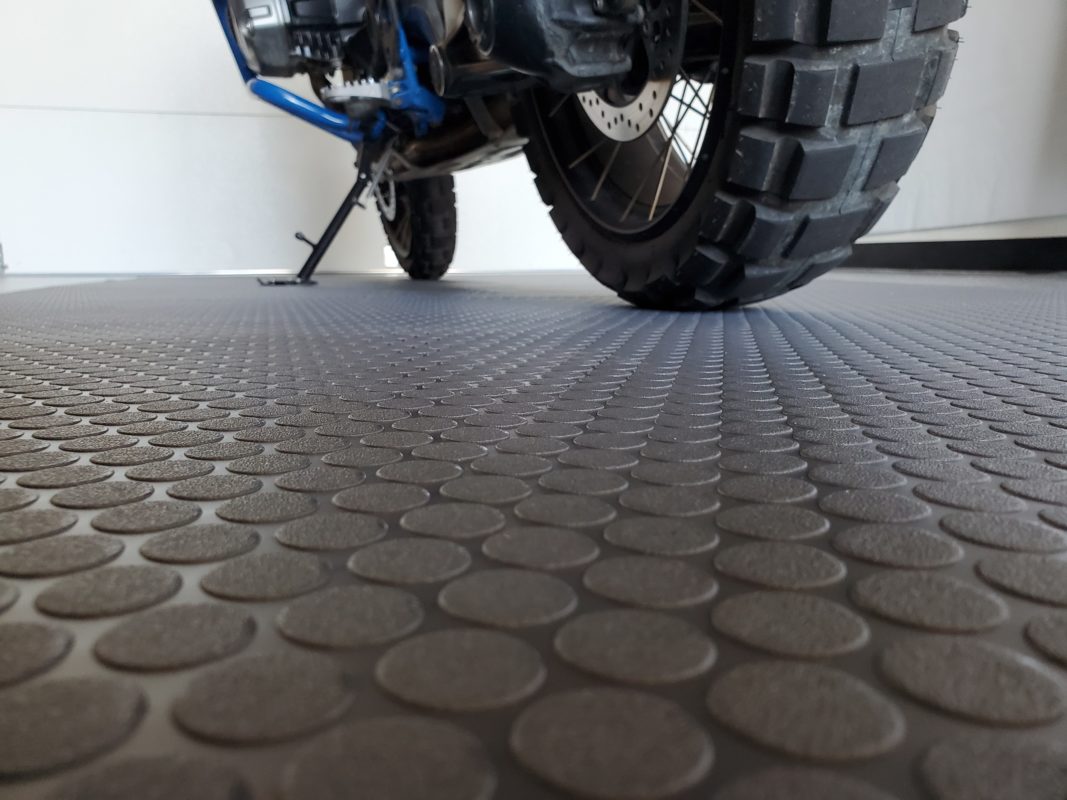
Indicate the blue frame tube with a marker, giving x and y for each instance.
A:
(323, 118)
(329, 121)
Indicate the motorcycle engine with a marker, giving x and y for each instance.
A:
(281, 38)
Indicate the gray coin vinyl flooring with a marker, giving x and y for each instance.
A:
(506, 537)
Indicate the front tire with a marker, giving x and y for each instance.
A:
(820, 106)
(419, 219)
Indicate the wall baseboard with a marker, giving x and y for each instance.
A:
(1019, 255)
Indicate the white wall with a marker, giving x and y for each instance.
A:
(503, 224)
(139, 150)
(998, 149)
(128, 144)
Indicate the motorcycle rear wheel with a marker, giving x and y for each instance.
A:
(816, 110)
(420, 224)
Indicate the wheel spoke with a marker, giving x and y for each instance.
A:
(707, 11)
(679, 115)
(690, 79)
(700, 135)
(689, 84)
(604, 174)
(558, 106)
(655, 178)
(662, 177)
(664, 153)
(688, 151)
(586, 154)
(677, 144)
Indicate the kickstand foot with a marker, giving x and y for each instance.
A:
(285, 282)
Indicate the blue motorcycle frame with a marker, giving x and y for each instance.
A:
(407, 95)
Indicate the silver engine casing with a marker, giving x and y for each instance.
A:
(262, 28)
(280, 38)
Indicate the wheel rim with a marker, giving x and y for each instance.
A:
(386, 194)
(398, 225)
(632, 182)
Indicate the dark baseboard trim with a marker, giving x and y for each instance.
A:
(1024, 255)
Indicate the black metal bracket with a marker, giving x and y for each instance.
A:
(319, 248)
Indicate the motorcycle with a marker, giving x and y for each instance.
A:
(695, 154)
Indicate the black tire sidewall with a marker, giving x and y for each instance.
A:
(628, 263)
(431, 205)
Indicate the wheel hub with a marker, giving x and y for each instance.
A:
(630, 119)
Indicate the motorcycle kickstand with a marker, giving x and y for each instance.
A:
(319, 248)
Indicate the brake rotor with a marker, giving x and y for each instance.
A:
(631, 119)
